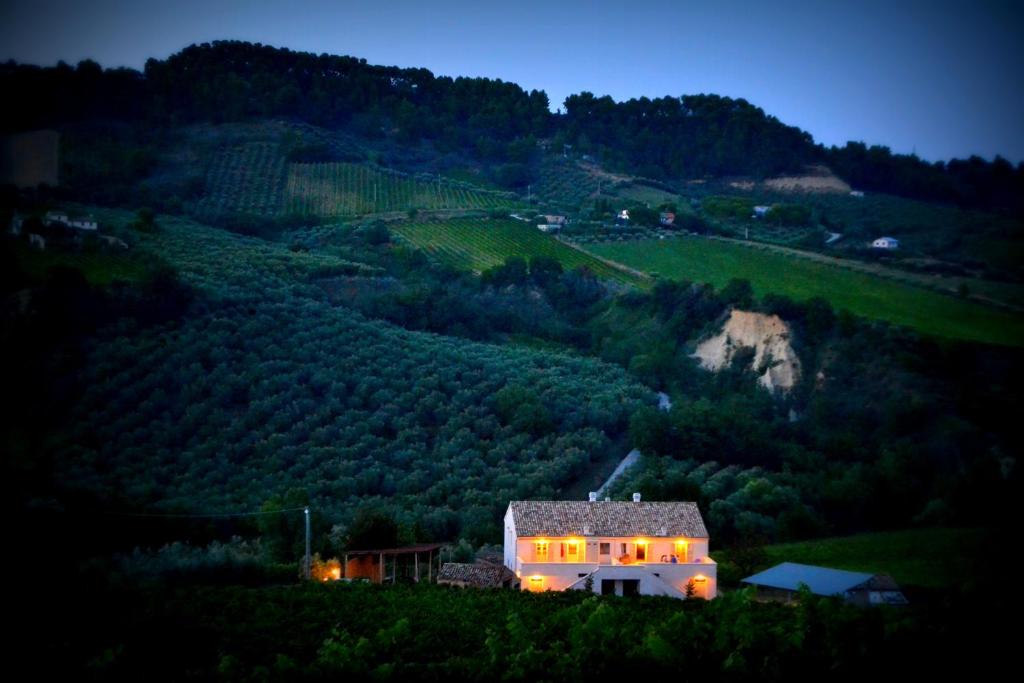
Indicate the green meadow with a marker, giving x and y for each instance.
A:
(478, 244)
(862, 294)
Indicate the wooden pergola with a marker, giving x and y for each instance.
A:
(373, 564)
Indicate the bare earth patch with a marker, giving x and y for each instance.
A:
(817, 179)
(768, 335)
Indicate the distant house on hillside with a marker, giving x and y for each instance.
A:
(71, 220)
(622, 218)
(477, 575)
(761, 211)
(17, 221)
(610, 547)
(783, 581)
(549, 227)
(552, 220)
(886, 243)
(667, 218)
(856, 193)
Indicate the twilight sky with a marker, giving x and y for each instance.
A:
(943, 78)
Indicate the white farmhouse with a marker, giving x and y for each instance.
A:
(886, 243)
(610, 547)
(761, 211)
(71, 221)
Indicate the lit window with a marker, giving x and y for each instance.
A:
(573, 551)
(542, 552)
(641, 552)
(681, 547)
(536, 583)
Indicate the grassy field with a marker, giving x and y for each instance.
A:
(479, 244)
(341, 189)
(926, 558)
(98, 267)
(863, 294)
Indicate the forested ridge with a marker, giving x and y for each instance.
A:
(674, 138)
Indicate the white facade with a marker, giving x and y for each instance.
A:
(646, 565)
(886, 243)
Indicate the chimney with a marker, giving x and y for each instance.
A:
(636, 497)
(592, 496)
(607, 499)
(586, 530)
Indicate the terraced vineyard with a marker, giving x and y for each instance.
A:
(247, 178)
(563, 181)
(478, 244)
(343, 189)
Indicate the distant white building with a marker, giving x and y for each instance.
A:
(16, 223)
(552, 220)
(886, 243)
(856, 193)
(71, 221)
(548, 227)
(761, 211)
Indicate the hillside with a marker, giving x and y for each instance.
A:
(670, 138)
(264, 388)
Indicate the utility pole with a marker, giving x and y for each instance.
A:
(309, 564)
(529, 189)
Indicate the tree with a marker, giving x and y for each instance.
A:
(738, 293)
(372, 528)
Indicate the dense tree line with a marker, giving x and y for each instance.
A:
(232, 80)
(685, 137)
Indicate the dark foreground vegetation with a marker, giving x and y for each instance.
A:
(158, 631)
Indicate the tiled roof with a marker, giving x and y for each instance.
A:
(480, 574)
(606, 518)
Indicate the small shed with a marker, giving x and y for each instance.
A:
(783, 581)
(477, 575)
(391, 565)
(886, 243)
